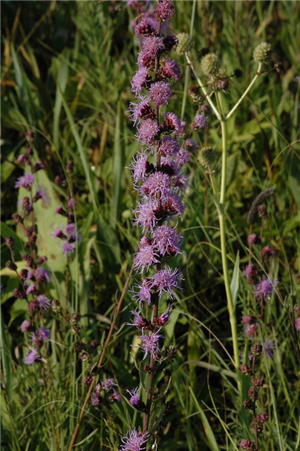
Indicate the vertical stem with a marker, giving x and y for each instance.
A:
(222, 223)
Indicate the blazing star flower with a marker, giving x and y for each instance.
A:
(164, 10)
(168, 146)
(139, 321)
(267, 252)
(145, 28)
(264, 288)
(172, 205)
(160, 93)
(141, 110)
(200, 121)
(115, 396)
(43, 334)
(145, 257)
(166, 280)
(157, 184)
(169, 69)
(95, 399)
(31, 357)
(68, 248)
(135, 400)
(139, 167)
(148, 131)
(43, 302)
(134, 441)
(139, 80)
(150, 344)
(182, 157)
(25, 326)
(31, 289)
(164, 318)
(26, 181)
(171, 123)
(151, 47)
(247, 445)
(166, 240)
(144, 293)
(145, 215)
(108, 384)
(42, 275)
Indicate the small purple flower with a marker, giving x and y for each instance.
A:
(138, 321)
(139, 80)
(26, 181)
(43, 334)
(44, 303)
(31, 290)
(139, 167)
(250, 273)
(269, 346)
(71, 204)
(182, 157)
(59, 234)
(267, 252)
(166, 241)
(264, 288)
(95, 399)
(168, 146)
(141, 110)
(25, 326)
(169, 69)
(166, 280)
(150, 344)
(68, 248)
(247, 445)
(146, 256)
(253, 239)
(134, 441)
(151, 47)
(144, 293)
(43, 194)
(135, 400)
(171, 123)
(108, 384)
(190, 145)
(160, 93)
(115, 396)
(148, 131)
(71, 230)
(251, 330)
(297, 324)
(145, 28)
(145, 215)
(31, 357)
(42, 275)
(164, 318)
(200, 121)
(157, 184)
(173, 205)
(164, 10)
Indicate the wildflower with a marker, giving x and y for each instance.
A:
(95, 399)
(59, 234)
(135, 400)
(160, 93)
(134, 441)
(169, 69)
(253, 239)
(25, 326)
(164, 318)
(141, 110)
(247, 445)
(148, 132)
(139, 167)
(42, 275)
(108, 384)
(43, 302)
(200, 121)
(139, 321)
(31, 289)
(146, 256)
(251, 330)
(151, 47)
(297, 324)
(250, 273)
(264, 288)
(68, 248)
(168, 146)
(115, 396)
(157, 184)
(182, 157)
(139, 80)
(267, 252)
(166, 241)
(166, 281)
(173, 205)
(145, 28)
(164, 10)
(171, 123)
(144, 292)
(71, 203)
(26, 181)
(31, 357)
(150, 344)
(248, 319)
(145, 215)
(33, 307)
(269, 346)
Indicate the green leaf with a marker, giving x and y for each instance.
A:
(234, 285)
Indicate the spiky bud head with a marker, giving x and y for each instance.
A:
(184, 43)
(207, 156)
(262, 53)
(210, 64)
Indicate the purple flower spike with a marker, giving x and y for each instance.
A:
(108, 384)
(134, 441)
(25, 326)
(164, 10)
(68, 248)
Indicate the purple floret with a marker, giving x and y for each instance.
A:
(148, 132)
(200, 121)
(150, 344)
(160, 93)
(157, 184)
(134, 441)
(166, 241)
(44, 303)
(166, 280)
(25, 181)
(31, 357)
(264, 288)
(145, 257)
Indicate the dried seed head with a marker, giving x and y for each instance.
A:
(184, 43)
(262, 52)
(55, 306)
(194, 93)
(210, 64)
(256, 349)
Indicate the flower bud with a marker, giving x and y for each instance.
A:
(18, 293)
(9, 241)
(262, 52)
(207, 157)
(55, 306)
(17, 218)
(210, 64)
(75, 318)
(184, 43)
(256, 349)
(11, 265)
(246, 369)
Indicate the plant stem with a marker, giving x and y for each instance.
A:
(245, 93)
